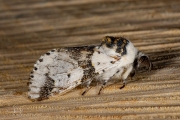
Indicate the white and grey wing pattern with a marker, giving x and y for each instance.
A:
(59, 71)
(54, 72)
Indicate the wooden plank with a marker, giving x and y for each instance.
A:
(30, 28)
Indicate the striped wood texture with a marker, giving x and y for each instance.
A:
(29, 28)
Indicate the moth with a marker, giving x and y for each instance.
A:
(61, 70)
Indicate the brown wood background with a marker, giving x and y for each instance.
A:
(29, 28)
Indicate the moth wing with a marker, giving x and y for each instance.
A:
(51, 72)
(66, 81)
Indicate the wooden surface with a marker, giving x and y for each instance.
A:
(29, 28)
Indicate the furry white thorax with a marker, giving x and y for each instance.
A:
(106, 69)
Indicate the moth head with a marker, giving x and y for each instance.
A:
(116, 44)
(142, 60)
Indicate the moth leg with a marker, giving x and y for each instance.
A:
(85, 91)
(87, 87)
(124, 84)
(107, 78)
(103, 85)
(132, 73)
(125, 75)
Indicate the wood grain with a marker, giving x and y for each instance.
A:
(30, 28)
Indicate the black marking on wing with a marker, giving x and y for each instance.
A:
(35, 68)
(48, 53)
(46, 89)
(40, 60)
(69, 75)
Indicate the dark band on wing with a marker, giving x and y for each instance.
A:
(78, 54)
(46, 89)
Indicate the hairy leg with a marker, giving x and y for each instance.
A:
(125, 75)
